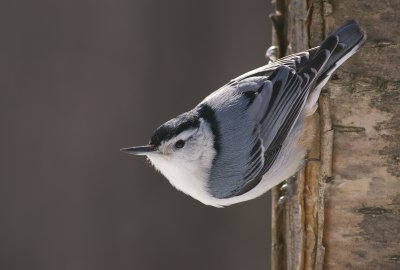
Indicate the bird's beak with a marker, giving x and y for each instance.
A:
(140, 150)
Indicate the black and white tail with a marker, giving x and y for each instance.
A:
(336, 49)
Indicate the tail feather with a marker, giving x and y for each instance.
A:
(351, 37)
(341, 45)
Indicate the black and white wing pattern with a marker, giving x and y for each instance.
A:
(268, 101)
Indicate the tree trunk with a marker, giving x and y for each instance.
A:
(345, 213)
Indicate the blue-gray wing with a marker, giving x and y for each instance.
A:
(266, 109)
(260, 108)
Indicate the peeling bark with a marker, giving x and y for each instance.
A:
(345, 213)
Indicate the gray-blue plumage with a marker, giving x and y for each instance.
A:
(244, 138)
(259, 110)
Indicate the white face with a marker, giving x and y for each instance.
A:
(184, 147)
(187, 166)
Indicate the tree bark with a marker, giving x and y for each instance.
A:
(345, 213)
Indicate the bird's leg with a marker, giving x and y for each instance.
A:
(272, 54)
(288, 189)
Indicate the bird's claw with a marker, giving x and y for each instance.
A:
(288, 189)
(272, 53)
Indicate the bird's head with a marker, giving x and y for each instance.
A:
(182, 149)
(183, 138)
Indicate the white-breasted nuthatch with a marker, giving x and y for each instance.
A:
(248, 136)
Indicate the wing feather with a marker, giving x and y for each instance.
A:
(267, 103)
(285, 102)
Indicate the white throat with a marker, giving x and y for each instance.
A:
(188, 169)
(184, 176)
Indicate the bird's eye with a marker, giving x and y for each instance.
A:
(180, 144)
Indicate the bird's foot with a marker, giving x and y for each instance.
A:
(288, 189)
(272, 53)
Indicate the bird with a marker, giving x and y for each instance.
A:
(251, 134)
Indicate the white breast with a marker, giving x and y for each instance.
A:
(184, 176)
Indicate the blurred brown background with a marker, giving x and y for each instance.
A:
(81, 79)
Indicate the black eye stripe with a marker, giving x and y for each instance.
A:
(174, 127)
(180, 144)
